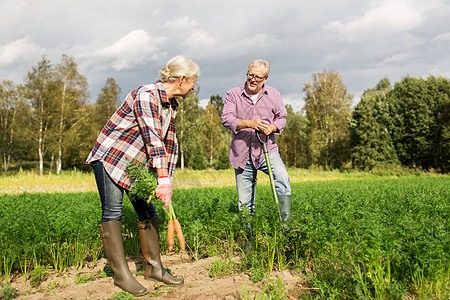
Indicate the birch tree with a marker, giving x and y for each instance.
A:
(328, 108)
(72, 93)
(41, 90)
(212, 133)
(107, 102)
(188, 120)
(8, 109)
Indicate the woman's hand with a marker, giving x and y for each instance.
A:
(164, 191)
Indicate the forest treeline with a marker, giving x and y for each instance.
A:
(48, 119)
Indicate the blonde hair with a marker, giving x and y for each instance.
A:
(258, 62)
(179, 66)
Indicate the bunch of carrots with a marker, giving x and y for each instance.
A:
(144, 186)
(174, 226)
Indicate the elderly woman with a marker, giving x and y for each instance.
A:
(143, 130)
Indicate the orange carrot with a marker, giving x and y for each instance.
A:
(179, 235)
(170, 234)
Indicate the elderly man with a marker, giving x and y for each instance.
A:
(250, 108)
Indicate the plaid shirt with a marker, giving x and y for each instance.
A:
(135, 132)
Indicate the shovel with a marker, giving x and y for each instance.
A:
(269, 168)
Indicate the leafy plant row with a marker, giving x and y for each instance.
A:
(383, 238)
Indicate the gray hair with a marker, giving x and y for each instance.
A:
(179, 66)
(258, 62)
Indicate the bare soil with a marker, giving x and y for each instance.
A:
(197, 283)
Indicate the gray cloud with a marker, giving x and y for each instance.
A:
(131, 40)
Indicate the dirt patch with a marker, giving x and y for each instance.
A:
(198, 284)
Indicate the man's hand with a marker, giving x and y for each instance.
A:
(164, 191)
(258, 125)
(264, 126)
(271, 128)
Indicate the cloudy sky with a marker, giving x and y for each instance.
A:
(131, 40)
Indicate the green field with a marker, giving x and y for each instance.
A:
(373, 238)
(70, 181)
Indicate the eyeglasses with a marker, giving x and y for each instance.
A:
(255, 77)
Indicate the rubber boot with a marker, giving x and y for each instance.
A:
(285, 208)
(111, 234)
(149, 239)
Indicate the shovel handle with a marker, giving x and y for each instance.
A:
(263, 143)
(269, 169)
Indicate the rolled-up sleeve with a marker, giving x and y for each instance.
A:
(229, 119)
(280, 113)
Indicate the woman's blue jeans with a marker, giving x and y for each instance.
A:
(246, 180)
(111, 196)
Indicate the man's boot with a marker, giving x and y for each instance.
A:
(285, 208)
(149, 239)
(111, 234)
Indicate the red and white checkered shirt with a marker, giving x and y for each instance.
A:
(135, 132)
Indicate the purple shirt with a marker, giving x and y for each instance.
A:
(239, 106)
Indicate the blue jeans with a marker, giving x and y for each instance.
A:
(111, 196)
(246, 180)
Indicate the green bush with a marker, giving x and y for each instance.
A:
(198, 160)
(222, 162)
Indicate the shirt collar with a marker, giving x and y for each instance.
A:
(163, 96)
(244, 91)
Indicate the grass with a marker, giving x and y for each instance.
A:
(271, 289)
(222, 267)
(32, 182)
(8, 292)
(360, 235)
(73, 181)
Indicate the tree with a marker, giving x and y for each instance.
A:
(94, 117)
(222, 161)
(8, 110)
(198, 160)
(212, 133)
(444, 149)
(439, 90)
(188, 121)
(41, 89)
(85, 133)
(15, 125)
(328, 108)
(108, 101)
(383, 86)
(421, 138)
(293, 141)
(372, 127)
(72, 93)
(218, 103)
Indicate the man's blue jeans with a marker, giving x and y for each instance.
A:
(246, 180)
(111, 196)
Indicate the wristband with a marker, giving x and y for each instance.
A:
(164, 180)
